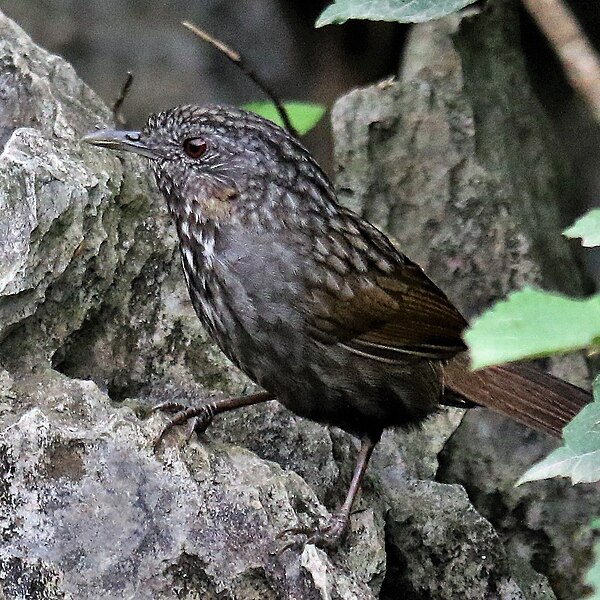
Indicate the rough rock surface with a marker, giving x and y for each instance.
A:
(95, 326)
(90, 511)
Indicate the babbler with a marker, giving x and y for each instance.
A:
(311, 301)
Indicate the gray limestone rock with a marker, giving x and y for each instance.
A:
(88, 510)
(89, 267)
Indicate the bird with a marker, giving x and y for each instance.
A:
(311, 301)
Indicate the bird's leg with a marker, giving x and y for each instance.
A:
(330, 535)
(203, 415)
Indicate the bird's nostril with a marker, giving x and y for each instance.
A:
(134, 136)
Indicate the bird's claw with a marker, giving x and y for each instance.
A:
(327, 537)
(299, 535)
(300, 530)
(169, 407)
(331, 535)
(199, 416)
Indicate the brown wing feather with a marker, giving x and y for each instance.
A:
(425, 322)
(386, 309)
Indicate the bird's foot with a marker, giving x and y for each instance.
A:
(328, 537)
(199, 417)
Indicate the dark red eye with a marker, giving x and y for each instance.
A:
(194, 147)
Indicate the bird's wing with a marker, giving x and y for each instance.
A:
(378, 303)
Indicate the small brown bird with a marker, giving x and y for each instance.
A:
(307, 298)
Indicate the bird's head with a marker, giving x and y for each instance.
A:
(215, 159)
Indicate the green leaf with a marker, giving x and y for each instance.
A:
(579, 458)
(564, 462)
(587, 228)
(403, 11)
(303, 115)
(592, 577)
(532, 323)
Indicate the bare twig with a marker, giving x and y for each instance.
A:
(238, 60)
(580, 61)
(116, 109)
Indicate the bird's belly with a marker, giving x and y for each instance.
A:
(332, 385)
(326, 383)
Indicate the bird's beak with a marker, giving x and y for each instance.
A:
(129, 141)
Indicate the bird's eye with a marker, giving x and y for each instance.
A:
(195, 147)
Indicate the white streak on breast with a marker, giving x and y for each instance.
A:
(185, 229)
(209, 248)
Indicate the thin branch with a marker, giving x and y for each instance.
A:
(579, 59)
(116, 109)
(237, 59)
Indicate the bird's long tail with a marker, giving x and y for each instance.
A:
(520, 392)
